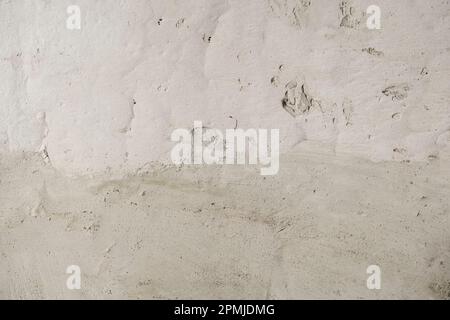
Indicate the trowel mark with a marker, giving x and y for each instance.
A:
(347, 110)
(42, 117)
(4, 140)
(179, 23)
(128, 127)
(294, 10)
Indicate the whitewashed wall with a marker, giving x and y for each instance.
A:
(108, 96)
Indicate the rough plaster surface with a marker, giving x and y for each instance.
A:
(86, 179)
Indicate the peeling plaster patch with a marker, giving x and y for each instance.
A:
(373, 52)
(441, 289)
(296, 100)
(348, 15)
(397, 92)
